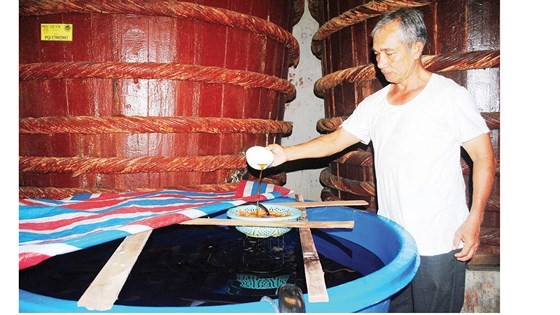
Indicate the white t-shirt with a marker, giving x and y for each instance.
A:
(416, 146)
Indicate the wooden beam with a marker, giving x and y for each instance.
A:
(105, 288)
(314, 275)
(292, 224)
(309, 204)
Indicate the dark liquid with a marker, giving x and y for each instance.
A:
(259, 187)
(202, 265)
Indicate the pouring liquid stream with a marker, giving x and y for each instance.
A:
(262, 166)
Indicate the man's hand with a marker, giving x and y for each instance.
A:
(279, 154)
(469, 233)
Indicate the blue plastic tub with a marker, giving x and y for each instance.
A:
(371, 293)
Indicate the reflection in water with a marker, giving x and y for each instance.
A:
(202, 265)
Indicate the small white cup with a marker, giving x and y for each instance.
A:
(259, 158)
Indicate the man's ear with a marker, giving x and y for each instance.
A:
(417, 49)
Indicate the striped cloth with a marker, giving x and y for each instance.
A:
(52, 227)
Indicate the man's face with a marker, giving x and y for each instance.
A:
(394, 58)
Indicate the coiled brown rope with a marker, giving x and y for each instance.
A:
(61, 193)
(139, 124)
(358, 158)
(299, 9)
(356, 15)
(328, 194)
(327, 125)
(117, 165)
(171, 8)
(64, 192)
(492, 120)
(481, 59)
(348, 185)
(313, 7)
(435, 63)
(152, 70)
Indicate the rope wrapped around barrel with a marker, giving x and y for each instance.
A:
(314, 10)
(354, 16)
(141, 124)
(436, 63)
(299, 9)
(171, 8)
(117, 165)
(60, 193)
(356, 158)
(356, 187)
(153, 70)
(48, 125)
(123, 165)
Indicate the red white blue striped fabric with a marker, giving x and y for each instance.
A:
(52, 227)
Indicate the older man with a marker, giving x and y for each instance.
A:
(417, 125)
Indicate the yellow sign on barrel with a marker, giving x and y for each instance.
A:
(56, 32)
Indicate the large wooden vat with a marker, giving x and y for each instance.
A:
(150, 94)
(463, 44)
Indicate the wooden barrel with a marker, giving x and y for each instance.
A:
(463, 44)
(141, 95)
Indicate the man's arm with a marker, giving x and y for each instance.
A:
(484, 169)
(324, 145)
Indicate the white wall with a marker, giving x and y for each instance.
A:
(306, 109)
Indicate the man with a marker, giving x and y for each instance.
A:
(417, 125)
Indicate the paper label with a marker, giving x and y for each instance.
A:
(56, 32)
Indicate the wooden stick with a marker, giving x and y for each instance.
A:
(105, 288)
(314, 275)
(310, 204)
(293, 224)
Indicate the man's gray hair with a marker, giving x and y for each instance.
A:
(412, 27)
